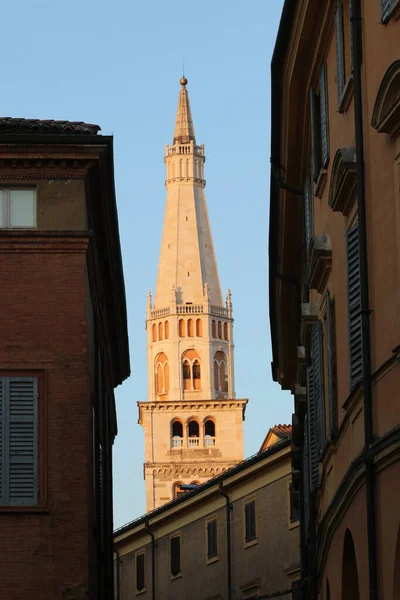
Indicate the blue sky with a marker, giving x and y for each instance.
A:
(118, 64)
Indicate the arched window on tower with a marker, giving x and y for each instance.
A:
(162, 374)
(220, 372)
(196, 375)
(177, 434)
(176, 492)
(214, 329)
(225, 331)
(199, 328)
(190, 331)
(191, 370)
(160, 331)
(166, 330)
(181, 328)
(193, 433)
(160, 378)
(154, 332)
(209, 433)
(220, 330)
(187, 384)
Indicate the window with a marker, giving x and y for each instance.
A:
(220, 330)
(18, 441)
(209, 428)
(176, 490)
(193, 429)
(387, 9)
(225, 331)
(140, 572)
(344, 58)
(176, 555)
(196, 375)
(17, 208)
(190, 331)
(308, 212)
(220, 372)
(154, 332)
(214, 329)
(250, 521)
(294, 499)
(354, 306)
(162, 374)
(331, 362)
(316, 403)
(186, 375)
(160, 331)
(212, 542)
(340, 57)
(177, 429)
(181, 328)
(199, 328)
(166, 330)
(319, 125)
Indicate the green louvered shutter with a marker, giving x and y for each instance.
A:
(22, 441)
(386, 8)
(331, 356)
(312, 431)
(306, 477)
(354, 306)
(315, 134)
(308, 212)
(351, 36)
(315, 399)
(2, 437)
(323, 98)
(340, 65)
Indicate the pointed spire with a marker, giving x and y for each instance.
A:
(184, 129)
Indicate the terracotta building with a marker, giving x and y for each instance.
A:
(63, 350)
(335, 285)
(192, 420)
(233, 537)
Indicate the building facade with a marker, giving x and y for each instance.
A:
(334, 285)
(192, 419)
(234, 537)
(63, 350)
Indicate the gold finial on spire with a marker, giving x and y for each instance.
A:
(183, 81)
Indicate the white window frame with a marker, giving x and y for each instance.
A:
(5, 223)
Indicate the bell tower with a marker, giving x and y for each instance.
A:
(192, 420)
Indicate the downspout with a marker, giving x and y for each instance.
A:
(118, 575)
(356, 22)
(228, 538)
(153, 560)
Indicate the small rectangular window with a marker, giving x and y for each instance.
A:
(212, 542)
(140, 572)
(294, 496)
(17, 208)
(175, 555)
(250, 521)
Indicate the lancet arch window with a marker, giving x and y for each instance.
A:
(176, 434)
(181, 327)
(160, 331)
(190, 328)
(191, 370)
(162, 374)
(166, 330)
(214, 329)
(220, 372)
(199, 328)
(154, 332)
(225, 331)
(220, 330)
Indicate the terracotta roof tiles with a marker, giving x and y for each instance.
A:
(14, 125)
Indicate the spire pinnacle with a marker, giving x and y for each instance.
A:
(184, 129)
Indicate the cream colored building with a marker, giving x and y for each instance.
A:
(192, 420)
(235, 537)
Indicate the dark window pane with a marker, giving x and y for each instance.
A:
(175, 555)
(140, 571)
(250, 521)
(212, 549)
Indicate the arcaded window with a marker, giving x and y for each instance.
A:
(175, 489)
(162, 374)
(220, 372)
(160, 331)
(193, 429)
(220, 330)
(196, 375)
(177, 434)
(190, 328)
(214, 329)
(225, 331)
(209, 433)
(199, 328)
(166, 330)
(154, 332)
(186, 375)
(191, 370)
(181, 328)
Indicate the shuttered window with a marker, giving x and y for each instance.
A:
(340, 56)
(308, 212)
(306, 476)
(331, 360)
(18, 441)
(315, 403)
(250, 521)
(319, 125)
(354, 306)
(176, 555)
(294, 503)
(140, 573)
(212, 545)
(387, 7)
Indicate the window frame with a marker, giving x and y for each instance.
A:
(141, 552)
(211, 519)
(41, 440)
(172, 575)
(6, 211)
(390, 11)
(253, 541)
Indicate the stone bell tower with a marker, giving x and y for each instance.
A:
(192, 420)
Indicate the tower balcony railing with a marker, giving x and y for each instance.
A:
(209, 441)
(189, 309)
(184, 149)
(193, 442)
(160, 312)
(176, 442)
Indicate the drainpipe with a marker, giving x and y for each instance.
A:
(118, 575)
(356, 22)
(228, 538)
(153, 560)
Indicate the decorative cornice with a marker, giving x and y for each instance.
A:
(43, 242)
(309, 316)
(320, 262)
(209, 469)
(44, 168)
(190, 405)
(386, 114)
(342, 191)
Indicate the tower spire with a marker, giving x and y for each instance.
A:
(184, 129)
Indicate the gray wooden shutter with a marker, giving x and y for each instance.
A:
(2, 438)
(316, 408)
(306, 476)
(315, 134)
(354, 306)
(323, 98)
(312, 437)
(340, 65)
(386, 7)
(351, 36)
(331, 356)
(308, 212)
(22, 441)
